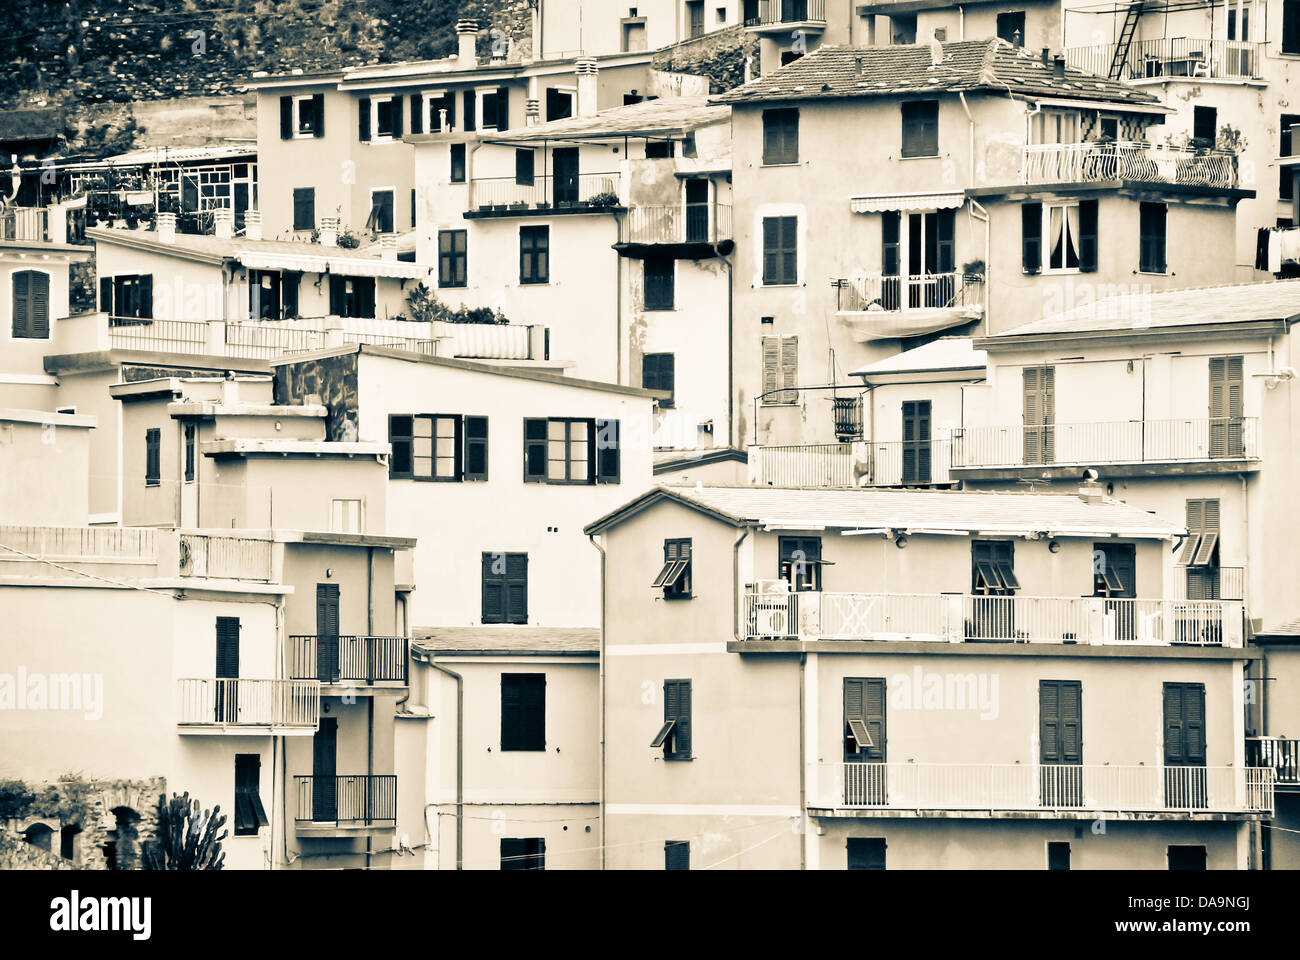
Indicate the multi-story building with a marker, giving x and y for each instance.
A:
(917, 679)
(594, 27)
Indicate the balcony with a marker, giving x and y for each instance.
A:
(956, 618)
(1209, 582)
(777, 16)
(226, 558)
(690, 231)
(1106, 161)
(851, 464)
(544, 195)
(877, 307)
(24, 224)
(1045, 790)
(1219, 443)
(1282, 757)
(350, 805)
(20, 542)
(350, 661)
(242, 707)
(1173, 58)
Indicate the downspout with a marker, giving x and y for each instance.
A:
(731, 367)
(460, 763)
(735, 578)
(601, 688)
(370, 701)
(803, 766)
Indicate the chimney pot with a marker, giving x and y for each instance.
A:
(588, 87)
(466, 40)
(329, 231)
(167, 227)
(253, 224)
(223, 223)
(1058, 66)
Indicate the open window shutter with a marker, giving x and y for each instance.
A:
(534, 449)
(677, 707)
(946, 260)
(789, 367)
(494, 591)
(771, 250)
(363, 118)
(1071, 722)
(366, 295)
(396, 106)
(771, 364)
(417, 113)
(1210, 515)
(22, 302)
(1031, 237)
(517, 588)
(854, 698)
(318, 115)
(227, 647)
(286, 118)
(503, 109)
(1195, 524)
(607, 451)
(146, 295)
(1049, 414)
(873, 714)
(471, 106)
(338, 296)
(289, 294)
(1033, 414)
(1218, 406)
(106, 295)
(889, 233)
(1087, 236)
(1194, 724)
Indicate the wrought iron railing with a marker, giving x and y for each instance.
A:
(348, 659)
(350, 800)
(589, 191)
(1095, 160)
(1172, 57)
(930, 291)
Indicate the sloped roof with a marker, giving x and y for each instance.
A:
(944, 354)
(920, 510)
(837, 72)
(1191, 306)
(490, 640)
(661, 117)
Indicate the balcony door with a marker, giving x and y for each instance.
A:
(324, 770)
(226, 703)
(327, 632)
(1227, 394)
(864, 742)
(1060, 741)
(930, 259)
(697, 211)
(993, 588)
(916, 441)
(1039, 385)
(1114, 569)
(1185, 774)
(564, 161)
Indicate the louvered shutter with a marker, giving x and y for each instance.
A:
(1033, 414)
(39, 323)
(1049, 721)
(789, 368)
(1173, 709)
(771, 250)
(494, 590)
(106, 295)
(146, 296)
(1235, 389)
(1218, 406)
(476, 448)
(286, 118)
(1194, 724)
(789, 250)
(503, 109)
(395, 105)
(1088, 249)
(471, 106)
(511, 708)
(533, 709)
(417, 113)
(608, 451)
(889, 234)
(338, 296)
(22, 303)
(363, 118)
(517, 588)
(873, 710)
(1031, 237)
(854, 697)
(677, 707)
(1071, 717)
(771, 368)
(227, 647)
(1048, 379)
(318, 115)
(534, 450)
(1210, 510)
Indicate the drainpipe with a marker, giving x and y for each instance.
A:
(803, 766)
(731, 367)
(592, 538)
(460, 765)
(370, 700)
(735, 578)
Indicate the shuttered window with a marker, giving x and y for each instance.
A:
(526, 853)
(864, 719)
(1184, 713)
(780, 370)
(780, 251)
(453, 258)
(801, 562)
(31, 305)
(608, 451)
(657, 373)
(381, 215)
(525, 162)
(1088, 246)
(153, 456)
(1039, 406)
(456, 153)
(133, 296)
(445, 447)
(675, 575)
(677, 709)
(304, 208)
(1200, 549)
(993, 568)
(1031, 237)
(865, 853)
(659, 274)
(523, 711)
(1060, 721)
(469, 100)
(1151, 239)
(191, 430)
(677, 855)
(571, 451)
(505, 588)
(227, 647)
(535, 254)
(889, 239)
(476, 448)
(921, 128)
(249, 812)
(1227, 406)
(780, 136)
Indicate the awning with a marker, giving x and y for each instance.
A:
(344, 266)
(870, 325)
(906, 201)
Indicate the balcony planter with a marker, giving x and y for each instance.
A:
(484, 207)
(603, 201)
(519, 205)
(499, 207)
(543, 205)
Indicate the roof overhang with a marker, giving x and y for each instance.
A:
(346, 266)
(1117, 106)
(884, 202)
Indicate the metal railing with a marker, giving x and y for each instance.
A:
(1117, 160)
(1273, 753)
(24, 223)
(504, 194)
(965, 618)
(261, 341)
(225, 558)
(1172, 57)
(1048, 787)
(1122, 441)
(221, 702)
(931, 291)
(348, 659)
(788, 11)
(116, 544)
(356, 799)
(897, 463)
(181, 336)
(676, 223)
(1210, 583)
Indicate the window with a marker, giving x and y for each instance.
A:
(345, 516)
(1011, 27)
(659, 276)
(525, 162)
(1058, 855)
(559, 450)
(658, 149)
(633, 35)
(921, 128)
(866, 853)
(302, 117)
(304, 208)
(1062, 229)
(1109, 126)
(523, 711)
(1201, 548)
(380, 219)
(677, 854)
(864, 722)
(152, 456)
(1051, 126)
(1070, 230)
(535, 254)
(780, 251)
(523, 854)
(992, 568)
(1284, 136)
(780, 370)
(674, 737)
(789, 56)
(801, 562)
(457, 153)
(559, 103)
(657, 373)
(695, 18)
(780, 136)
(380, 118)
(1227, 407)
(505, 588)
(469, 101)
(1291, 26)
(440, 105)
(1060, 743)
(1038, 406)
(453, 258)
(447, 447)
(191, 430)
(496, 109)
(1205, 124)
(250, 815)
(1151, 229)
(675, 576)
(264, 294)
(31, 305)
(1189, 857)
(352, 296)
(132, 296)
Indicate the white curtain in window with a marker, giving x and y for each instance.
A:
(1056, 259)
(1072, 239)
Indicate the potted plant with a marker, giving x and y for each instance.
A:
(603, 200)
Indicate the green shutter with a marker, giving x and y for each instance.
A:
(286, 118)
(1031, 237)
(363, 118)
(1088, 236)
(22, 303)
(318, 115)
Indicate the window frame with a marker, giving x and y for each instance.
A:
(35, 325)
(675, 576)
(652, 379)
(1067, 238)
(517, 736)
(913, 106)
(460, 424)
(785, 151)
(395, 104)
(538, 251)
(1144, 238)
(665, 284)
(449, 260)
(458, 164)
(802, 583)
(779, 277)
(312, 133)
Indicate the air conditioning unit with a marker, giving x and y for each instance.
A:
(772, 610)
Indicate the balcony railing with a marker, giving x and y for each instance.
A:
(1125, 441)
(1280, 756)
(676, 223)
(994, 787)
(931, 291)
(853, 464)
(349, 660)
(1210, 583)
(225, 558)
(241, 704)
(353, 800)
(1172, 57)
(545, 193)
(178, 336)
(1115, 160)
(958, 618)
(111, 544)
(24, 223)
(786, 11)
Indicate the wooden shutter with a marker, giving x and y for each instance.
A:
(1087, 236)
(677, 707)
(22, 303)
(1049, 414)
(873, 713)
(318, 115)
(1184, 717)
(338, 296)
(363, 118)
(1060, 719)
(771, 250)
(608, 451)
(417, 113)
(889, 238)
(534, 449)
(1039, 389)
(106, 295)
(854, 698)
(476, 448)
(771, 368)
(494, 590)
(1226, 406)
(400, 437)
(789, 368)
(289, 294)
(145, 288)
(524, 167)
(286, 118)
(395, 105)
(789, 249)
(516, 598)
(152, 455)
(471, 107)
(1031, 237)
(945, 230)
(227, 647)
(503, 109)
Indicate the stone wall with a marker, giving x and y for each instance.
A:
(111, 815)
(720, 56)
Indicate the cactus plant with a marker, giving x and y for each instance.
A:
(186, 836)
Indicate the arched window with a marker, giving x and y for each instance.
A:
(38, 835)
(31, 305)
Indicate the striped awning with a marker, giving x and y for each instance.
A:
(906, 201)
(345, 266)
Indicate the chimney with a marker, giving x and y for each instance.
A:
(587, 86)
(532, 111)
(167, 227)
(466, 38)
(1058, 66)
(1047, 56)
(229, 392)
(1090, 491)
(253, 224)
(223, 223)
(388, 246)
(936, 50)
(329, 231)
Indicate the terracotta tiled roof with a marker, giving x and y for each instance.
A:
(836, 72)
(502, 639)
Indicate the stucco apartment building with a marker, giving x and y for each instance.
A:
(914, 679)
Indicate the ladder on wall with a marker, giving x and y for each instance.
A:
(1126, 31)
